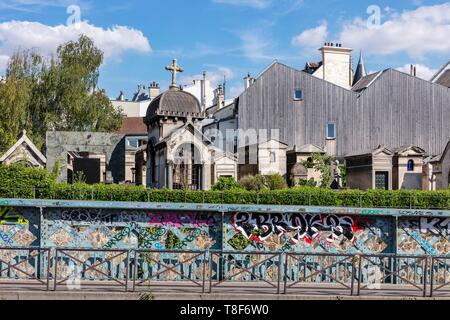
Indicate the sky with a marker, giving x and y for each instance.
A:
(228, 37)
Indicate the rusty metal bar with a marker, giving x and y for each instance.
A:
(167, 268)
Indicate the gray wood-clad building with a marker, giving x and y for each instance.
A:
(390, 108)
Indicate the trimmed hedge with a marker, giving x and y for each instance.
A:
(29, 183)
(301, 196)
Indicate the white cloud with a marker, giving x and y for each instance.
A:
(422, 71)
(113, 41)
(417, 32)
(255, 45)
(215, 75)
(235, 90)
(312, 38)
(258, 4)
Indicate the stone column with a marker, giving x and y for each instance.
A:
(169, 175)
(204, 174)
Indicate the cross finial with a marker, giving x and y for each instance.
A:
(174, 69)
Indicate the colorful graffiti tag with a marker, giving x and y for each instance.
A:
(16, 228)
(424, 235)
(307, 232)
(9, 216)
(95, 228)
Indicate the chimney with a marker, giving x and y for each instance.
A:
(248, 81)
(337, 65)
(220, 98)
(154, 90)
(121, 96)
(203, 91)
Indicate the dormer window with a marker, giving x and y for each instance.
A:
(298, 95)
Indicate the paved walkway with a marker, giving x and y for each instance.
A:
(173, 291)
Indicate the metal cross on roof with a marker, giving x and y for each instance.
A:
(174, 69)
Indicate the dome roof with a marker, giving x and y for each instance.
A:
(175, 103)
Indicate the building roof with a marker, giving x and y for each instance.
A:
(404, 149)
(24, 140)
(308, 148)
(133, 126)
(375, 151)
(444, 79)
(366, 81)
(141, 95)
(176, 103)
(360, 70)
(312, 67)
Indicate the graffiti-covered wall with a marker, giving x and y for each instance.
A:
(19, 227)
(315, 233)
(220, 227)
(131, 229)
(424, 235)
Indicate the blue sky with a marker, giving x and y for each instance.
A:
(229, 37)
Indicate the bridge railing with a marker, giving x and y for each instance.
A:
(223, 271)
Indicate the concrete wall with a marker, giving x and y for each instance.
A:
(314, 229)
(129, 226)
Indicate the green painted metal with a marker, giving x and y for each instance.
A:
(223, 208)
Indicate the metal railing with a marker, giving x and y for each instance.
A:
(175, 269)
(245, 270)
(393, 273)
(25, 266)
(95, 266)
(440, 275)
(225, 271)
(319, 272)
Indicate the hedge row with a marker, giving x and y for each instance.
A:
(28, 183)
(298, 196)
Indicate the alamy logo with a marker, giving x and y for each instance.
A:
(374, 20)
(74, 18)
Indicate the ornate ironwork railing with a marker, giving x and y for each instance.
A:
(174, 269)
(440, 275)
(224, 271)
(25, 265)
(393, 273)
(319, 272)
(245, 270)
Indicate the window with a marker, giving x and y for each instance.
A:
(273, 157)
(411, 165)
(331, 131)
(382, 180)
(298, 94)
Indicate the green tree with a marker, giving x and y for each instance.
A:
(225, 184)
(57, 94)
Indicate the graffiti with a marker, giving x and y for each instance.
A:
(424, 244)
(7, 216)
(437, 226)
(259, 227)
(429, 234)
(182, 219)
(86, 215)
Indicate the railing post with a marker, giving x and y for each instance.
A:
(425, 278)
(432, 277)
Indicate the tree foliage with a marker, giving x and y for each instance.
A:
(322, 164)
(59, 93)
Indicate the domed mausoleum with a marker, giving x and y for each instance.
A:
(179, 156)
